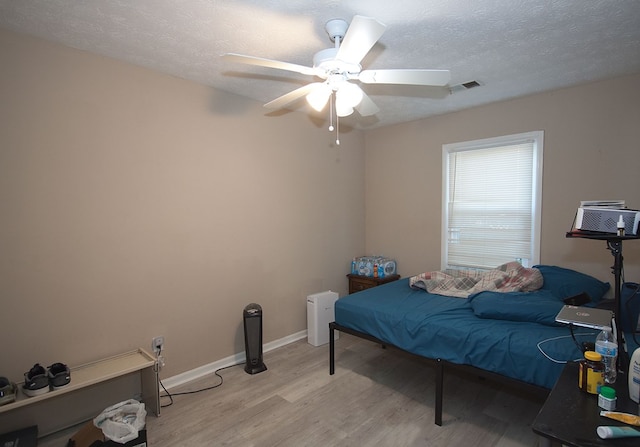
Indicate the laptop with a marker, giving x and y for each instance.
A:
(585, 316)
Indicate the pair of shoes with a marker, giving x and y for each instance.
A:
(8, 391)
(39, 381)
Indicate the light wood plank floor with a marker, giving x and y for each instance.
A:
(377, 397)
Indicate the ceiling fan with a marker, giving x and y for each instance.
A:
(338, 68)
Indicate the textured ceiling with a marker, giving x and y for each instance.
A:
(511, 47)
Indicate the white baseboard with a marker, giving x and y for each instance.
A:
(239, 357)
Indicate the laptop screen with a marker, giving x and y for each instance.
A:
(585, 316)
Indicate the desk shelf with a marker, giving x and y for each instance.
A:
(100, 371)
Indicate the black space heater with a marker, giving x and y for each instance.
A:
(253, 339)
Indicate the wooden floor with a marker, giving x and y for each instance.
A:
(377, 397)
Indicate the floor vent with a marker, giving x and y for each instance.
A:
(464, 86)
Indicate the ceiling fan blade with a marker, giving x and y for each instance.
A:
(288, 98)
(367, 107)
(262, 62)
(406, 76)
(362, 35)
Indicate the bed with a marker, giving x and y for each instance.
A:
(509, 336)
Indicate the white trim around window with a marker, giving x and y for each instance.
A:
(492, 201)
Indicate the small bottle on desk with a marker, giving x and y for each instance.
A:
(591, 376)
(607, 398)
(620, 226)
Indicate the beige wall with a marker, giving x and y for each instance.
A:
(591, 151)
(134, 204)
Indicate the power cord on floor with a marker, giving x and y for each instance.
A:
(216, 372)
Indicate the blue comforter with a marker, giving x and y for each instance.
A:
(511, 339)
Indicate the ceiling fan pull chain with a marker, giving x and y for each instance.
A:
(337, 130)
(331, 107)
(331, 112)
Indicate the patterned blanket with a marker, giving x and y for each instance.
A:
(509, 277)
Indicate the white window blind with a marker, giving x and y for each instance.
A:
(491, 213)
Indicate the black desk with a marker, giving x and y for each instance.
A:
(571, 416)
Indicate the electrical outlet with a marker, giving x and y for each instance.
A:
(157, 344)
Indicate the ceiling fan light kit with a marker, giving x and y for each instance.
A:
(348, 96)
(339, 67)
(319, 96)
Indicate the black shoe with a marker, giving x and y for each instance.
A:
(8, 391)
(59, 375)
(35, 381)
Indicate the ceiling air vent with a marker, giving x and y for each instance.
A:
(464, 86)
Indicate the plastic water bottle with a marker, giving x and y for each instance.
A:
(607, 346)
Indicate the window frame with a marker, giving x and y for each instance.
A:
(537, 138)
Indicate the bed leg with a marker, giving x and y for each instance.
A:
(439, 390)
(332, 345)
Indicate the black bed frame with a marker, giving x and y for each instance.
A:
(439, 365)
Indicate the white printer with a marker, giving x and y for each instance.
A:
(607, 219)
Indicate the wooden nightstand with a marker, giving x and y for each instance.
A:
(358, 283)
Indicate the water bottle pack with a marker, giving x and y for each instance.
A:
(373, 266)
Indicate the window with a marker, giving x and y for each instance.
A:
(491, 208)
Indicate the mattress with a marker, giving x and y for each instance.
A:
(447, 328)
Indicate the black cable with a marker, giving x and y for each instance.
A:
(580, 347)
(167, 395)
(170, 396)
(632, 324)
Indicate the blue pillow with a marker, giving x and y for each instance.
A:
(564, 283)
(538, 307)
